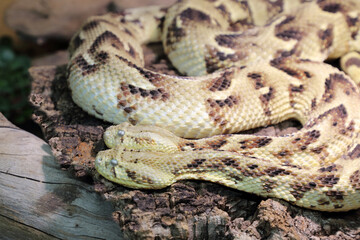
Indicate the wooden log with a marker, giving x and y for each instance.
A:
(38, 200)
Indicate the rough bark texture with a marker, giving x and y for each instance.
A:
(186, 210)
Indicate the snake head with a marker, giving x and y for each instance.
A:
(134, 169)
(135, 154)
(114, 135)
(141, 138)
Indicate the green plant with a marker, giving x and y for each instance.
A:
(14, 83)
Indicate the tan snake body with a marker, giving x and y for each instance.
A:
(254, 76)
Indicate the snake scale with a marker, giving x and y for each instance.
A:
(250, 64)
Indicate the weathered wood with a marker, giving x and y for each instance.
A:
(38, 200)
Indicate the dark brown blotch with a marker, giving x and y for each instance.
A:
(289, 71)
(154, 78)
(275, 171)
(174, 34)
(102, 57)
(190, 144)
(355, 153)
(229, 162)
(107, 36)
(338, 112)
(128, 109)
(127, 31)
(228, 40)
(85, 66)
(288, 34)
(196, 163)
(313, 103)
(255, 143)
(335, 196)
(267, 111)
(216, 144)
(216, 59)
(352, 21)
(257, 77)
(269, 184)
(326, 37)
(323, 201)
(330, 7)
(229, 102)
(132, 121)
(330, 168)
(265, 98)
(296, 89)
(91, 25)
(132, 51)
(253, 166)
(222, 9)
(354, 61)
(223, 82)
(131, 174)
(328, 180)
(299, 190)
(355, 180)
(233, 57)
(317, 150)
(194, 15)
(122, 103)
(283, 153)
(155, 94)
(332, 80)
(312, 135)
(76, 43)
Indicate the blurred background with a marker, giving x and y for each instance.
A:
(37, 32)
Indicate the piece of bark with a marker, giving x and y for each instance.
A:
(41, 201)
(57, 58)
(187, 209)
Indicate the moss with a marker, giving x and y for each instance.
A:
(14, 83)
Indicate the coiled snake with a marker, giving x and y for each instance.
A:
(258, 62)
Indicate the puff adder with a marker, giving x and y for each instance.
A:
(251, 63)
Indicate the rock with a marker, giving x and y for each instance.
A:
(52, 19)
(41, 20)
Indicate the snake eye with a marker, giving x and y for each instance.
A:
(114, 162)
(121, 133)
